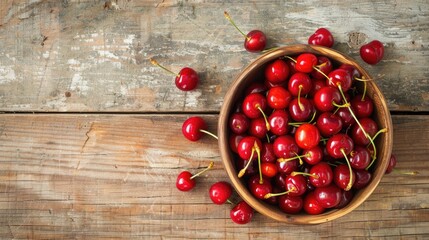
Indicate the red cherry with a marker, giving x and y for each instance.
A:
(324, 65)
(253, 105)
(287, 167)
(346, 117)
(255, 87)
(239, 123)
(370, 127)
(187, 79)
(392, 164)
(259, 189)
(234, 140)
(340, 77)
(372, 52)
(362, 106)
(255, 41)
(363, 177)
(185, 180)
(322, 37)
(192, 127)
(346, 197)
(246, 147)
(313, 156)
(305, 62)
(324, 98)
(289, 204)
(278, 98)
(360, 157)
(258, 127)
(277, 71)
(301, 109)
(311, 205)
(269, 169)
(285, 147)
(354, 73)
(296, 184)
(267, 153)
(307, 136)
(342, 177)
(279, 122)
(329, 196)
(241, 213)
(339, 145)
(299, 84)
(321, 175)
(220, 192)
(329, 124)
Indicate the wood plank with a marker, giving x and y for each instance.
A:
(112, 176)
(82, 56)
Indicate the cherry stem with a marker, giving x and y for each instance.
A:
(243, 171)
(228, 17)
(321, 72)
(290, 58)
(374, 154)
(297, 124)
(230, 202)
(155, 63)
(270, 49)
(293, 158)
(209, 133)
(304, 174)
(301, 106)
(258, 151)
(267, 124)
(268, 195)
(350, 184)
(204, 170)
(413, 173)
(364, 91)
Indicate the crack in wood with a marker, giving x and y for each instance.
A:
(86, 140)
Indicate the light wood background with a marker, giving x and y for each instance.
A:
(90, 131)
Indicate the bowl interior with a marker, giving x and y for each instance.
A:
(235, 94)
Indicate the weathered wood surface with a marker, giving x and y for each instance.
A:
(112, 176)
(91, 55)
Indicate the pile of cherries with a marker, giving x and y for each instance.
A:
(303, 136)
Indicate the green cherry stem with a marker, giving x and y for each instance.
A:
(209, 133)
(268, 195)
(267, 124)
(374, 155)
(243, 171)
(228, 17)
(258, 151)
(155, 63)
(350, 184)
(203, 171)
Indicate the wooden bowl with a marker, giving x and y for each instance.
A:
(235, 94)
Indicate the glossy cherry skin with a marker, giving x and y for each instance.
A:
(363, 177)
(255, 87)
(258, 127)
(342, 176)
(297, 185)
(187, 79)
(354, 73)
(329, 196)
(241, 213)
(220, 192)
(324, 65)
(191, 128)
(255, 41)
(258, 189)
(324, 98)
(289, 204)
(322, 37)
(362, 107)
(370, 127)
(346, 197)
(285, 147)
(312, 156)
(392, 164)
(238, 123)
(253, 104)
(346, 117)
(337, 143)
(251, 170)
(234, 140)
(287, 167)
(184, 182)
(305, 62)
(307, 136)
(359, 157)
(340, 77)
(269, 169)
(298, 114)
(324, 175)
(329, 124)
(279, 122)
(299, 82)
(372, 52)
(278, 98)
(277, 71)
(311, 205)
(247, 145)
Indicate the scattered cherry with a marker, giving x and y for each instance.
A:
(186, 80)
(194, 127)
(220, 192)
(185, 180)
(322, 37)
(372, 52)
(241, 213)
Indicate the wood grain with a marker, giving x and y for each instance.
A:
(89, 56)
(110, 176)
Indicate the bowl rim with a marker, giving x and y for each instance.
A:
(226, 155)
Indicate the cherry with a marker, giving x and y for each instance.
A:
(311, 205)
(392, 164)
(307, 136)
(220, 192)
(339, 78)
(279, 122)
(253, 105)
(254, 41)
(372, 52)
(305, 62)
(269, 169)
(241, 213)
(322, 37)
(258, 128)
(290, 204)
(313, 156)
(360, 157)
(248, 165)
(329, 196)
(287, 167)
(280, 181)
(363, 177)
(239, 123)
(321, 175)
(325, 97)
(278, 97)
(324, 66)
(346, 117)
(370, 127)
(297, 184)
(299, 84)
(317, 85)
(354, 73)
(346, 197)
(339, 145)
(342, 177)
(185, 180)
(329, 124)
(255, 87)
(234, 140)
(194, 127)
(248, 146)
(285, 147)
(186, 80)
(277, 71)
(300, 109)
(267, 153)
(362, 106)
(259, 188)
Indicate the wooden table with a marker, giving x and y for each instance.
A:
(90, 131)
